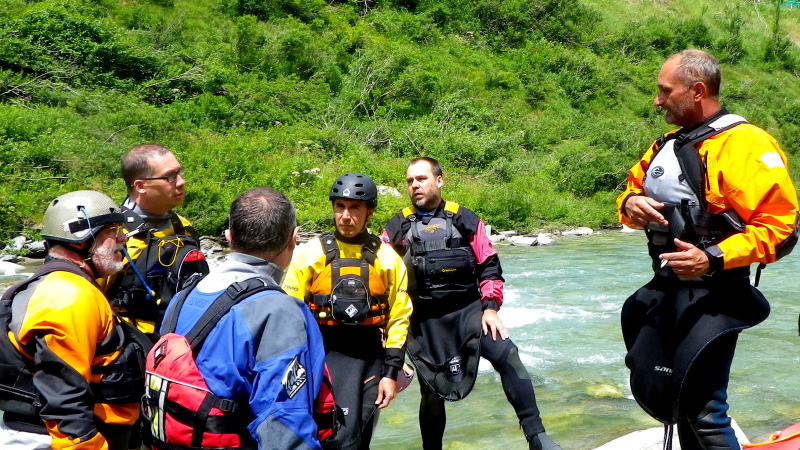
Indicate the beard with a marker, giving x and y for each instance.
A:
(106, 259)
(677, 114)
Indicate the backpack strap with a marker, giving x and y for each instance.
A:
(692, 166)
(330, 247)
(370, 249)
(170, 322)
(234, 294)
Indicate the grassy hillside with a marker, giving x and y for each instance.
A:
(537, 109)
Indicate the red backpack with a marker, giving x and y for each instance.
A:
(180, 408)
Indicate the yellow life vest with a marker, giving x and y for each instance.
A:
(349, 291)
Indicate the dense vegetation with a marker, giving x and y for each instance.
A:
(536, 108)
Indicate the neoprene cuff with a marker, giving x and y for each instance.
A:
(390, 372)
(490, 304)
(393, 362)
(716, 262)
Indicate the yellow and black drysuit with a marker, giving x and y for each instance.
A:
(355, 352)
(737, 203)
(68, 366)
(166, 253)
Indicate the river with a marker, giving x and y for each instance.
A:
(562, 307)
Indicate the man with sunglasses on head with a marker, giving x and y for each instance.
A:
(70, 370)
(163, 245)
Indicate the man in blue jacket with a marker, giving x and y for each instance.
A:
(266, 352)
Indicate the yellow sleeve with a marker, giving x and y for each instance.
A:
(308, 260)
(753, 179)
(395, 277)
(635, 182)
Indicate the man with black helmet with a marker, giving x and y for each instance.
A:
(356, 289)
(70, 375)
(457, 291)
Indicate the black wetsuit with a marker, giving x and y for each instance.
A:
(444, 322)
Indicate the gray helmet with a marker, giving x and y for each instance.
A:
(70, 216)
(355, 186)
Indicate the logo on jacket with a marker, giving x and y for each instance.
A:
(455, 365)
(294, 378)
(663, 369)
(658, 171)
(432, 228)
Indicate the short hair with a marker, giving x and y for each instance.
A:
(136, 163)
(696, 65)
(261, 221)
(436, 166)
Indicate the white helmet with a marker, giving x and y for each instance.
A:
(78, 216)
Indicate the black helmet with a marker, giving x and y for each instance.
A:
(355, 186)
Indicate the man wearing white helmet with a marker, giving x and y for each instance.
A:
(70, 373)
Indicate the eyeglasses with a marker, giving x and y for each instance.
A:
(116, 230)
(170, 177)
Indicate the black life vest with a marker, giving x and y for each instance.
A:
(166, 263)
(443, 260)
(122, 381)
(349, 291)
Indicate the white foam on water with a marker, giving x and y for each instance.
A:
(519, 317)
(599, 359)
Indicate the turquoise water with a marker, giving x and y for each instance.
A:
(562, 307)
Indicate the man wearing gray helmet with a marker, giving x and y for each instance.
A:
(70, 371)
(356, 288)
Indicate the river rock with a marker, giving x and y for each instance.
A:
(509, 233)
(605, 391)
(8, 257)
(209, 245)
(9, 268)
(627, 229)
(580, 231)
(653, 439)
(523, 241)
(388, 191)
(17, 243)
(36, 249)
(545, 239)
(495, 238)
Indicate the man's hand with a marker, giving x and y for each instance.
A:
(689, 262)
(642, 210)
(387, 391)
(491, 321)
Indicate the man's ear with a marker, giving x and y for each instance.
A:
(228, 235)
(700, 91)
(439, 181)
(138, 186)
(370, 213)
(293, 239)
